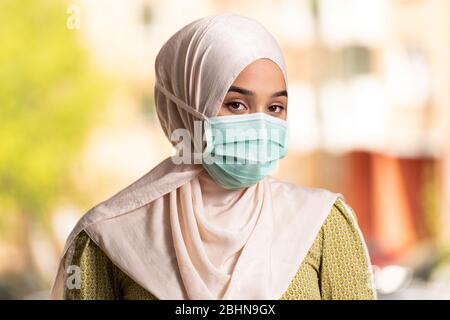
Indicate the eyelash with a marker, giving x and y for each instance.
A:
(229, 105)
(275, 105)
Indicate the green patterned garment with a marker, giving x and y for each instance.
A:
(337, 266)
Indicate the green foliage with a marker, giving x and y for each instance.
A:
(48, 100)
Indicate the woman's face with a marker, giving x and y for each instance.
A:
(260, 87)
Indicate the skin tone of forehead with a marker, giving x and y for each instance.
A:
(260, 87)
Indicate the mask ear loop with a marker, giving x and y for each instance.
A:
(181, 104)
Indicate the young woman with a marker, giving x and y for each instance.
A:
(212, 223)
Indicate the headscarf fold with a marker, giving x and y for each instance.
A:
(175, 231)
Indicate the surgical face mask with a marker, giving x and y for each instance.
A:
(242, 149)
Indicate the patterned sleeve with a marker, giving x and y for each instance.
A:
(346, 271)
(89, 275)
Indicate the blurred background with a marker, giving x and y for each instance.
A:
(369, 94)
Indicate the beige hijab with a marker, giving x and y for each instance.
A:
(175, 231)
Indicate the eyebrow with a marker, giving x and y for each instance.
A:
(251, 93)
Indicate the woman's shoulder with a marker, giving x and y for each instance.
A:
(81, 239)
(340, 222)
(83, 252)
(341, 219)
(341, 212)
(83, 248)
(339, 228)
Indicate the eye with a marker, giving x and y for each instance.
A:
(276, 108)
(236, 106)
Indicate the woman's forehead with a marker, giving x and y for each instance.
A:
(261, 75)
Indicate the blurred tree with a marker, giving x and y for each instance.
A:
(49, 96)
